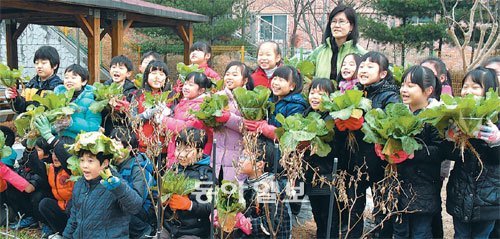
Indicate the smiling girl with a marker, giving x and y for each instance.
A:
(268, 59)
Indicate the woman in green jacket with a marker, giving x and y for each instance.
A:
(340, 38)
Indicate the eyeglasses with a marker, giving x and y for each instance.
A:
(340, 23)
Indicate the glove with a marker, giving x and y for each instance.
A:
(122, 105)
(243, 223)
(224, 117)
(252, 125)
(178, 202)
(378, 151)
(43, 125)
(178, 86)
(147, 114)
(216, 219)
(489, 133)
(261, 127)
(11, 93)
(340, 124)
(452, 133)
(111, 183)
(303, 145)
(354, 124)
(400, 157)
(165, 112)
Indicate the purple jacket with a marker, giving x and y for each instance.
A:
(229, 141)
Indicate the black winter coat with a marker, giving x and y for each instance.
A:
(197, 221)
(381, 93)
(471, 198)
(420, 176)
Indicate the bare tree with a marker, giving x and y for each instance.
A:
(489, 37)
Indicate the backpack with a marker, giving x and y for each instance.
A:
(142, 161)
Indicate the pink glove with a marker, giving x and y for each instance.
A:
(216, 218)
(489, 133)
(261, 127)
(122, 105)
(178, 86)
(224, 117)
(243, 223)
(11, 93)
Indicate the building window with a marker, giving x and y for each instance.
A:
(273, 27)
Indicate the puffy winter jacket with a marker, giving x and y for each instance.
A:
(100, 213)
(229, 141)
(83, 119)
(12, 177)
(183, 119)
(381, 93)
(209, 72)
(62, 187)
(20, 103)
(195, 222)
(473, 195)
(289, 105)
(420, 176)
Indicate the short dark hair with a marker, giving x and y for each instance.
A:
(100, 156)
(323, 84)
(78, 70)
(153, 66)
(156, 56)
(122, 60)
(192, 136)
(200, 79)
(204, 47)
(424, 78)
(61, 151)
(44, 145)
(485, 77)
(127, 138)
(440, 67)
(10, 136)
(246, 72)
(291, 74)
(351, 17)
(382, 61)
(48, 53)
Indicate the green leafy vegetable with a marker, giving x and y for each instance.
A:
(8, 77)
(255, 103)
(54, 106)
(395, 129)
(211, 107)
(184, 70)
(176, 183)
(296, 129)
(228, 204)
(345, 105)
(139, 78)
(5, 150)
(151, 100)
(103, 94)
(95, 142)
(468, 113)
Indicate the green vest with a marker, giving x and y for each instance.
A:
(322, 57)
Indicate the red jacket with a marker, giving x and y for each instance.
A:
(62, 187)
(147, 127)
(260, 78)
(183, 119)
(209, 72)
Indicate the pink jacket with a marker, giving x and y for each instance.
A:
(12, 177)
(209, 72)
(182, 119)
(229, 141)
(347, 84)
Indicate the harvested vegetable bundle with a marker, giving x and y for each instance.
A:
(184, 70)
(56, 107)
(95, 142)
(5, 150)
(393, 132)
(104, 94)
(296, 129)
(211, 107)
(306, 68)
(138, 79)
(176, 183)
(151, 100)
(467, 113)
(228, 204)
(347, 111)
(254, 104)
(8, 77)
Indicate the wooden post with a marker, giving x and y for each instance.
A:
(12, 33)
(186, 34)
(117, 35)
(91, 26)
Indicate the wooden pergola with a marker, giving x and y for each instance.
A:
(96, 18)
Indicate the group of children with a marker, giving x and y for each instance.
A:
(121, 207)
